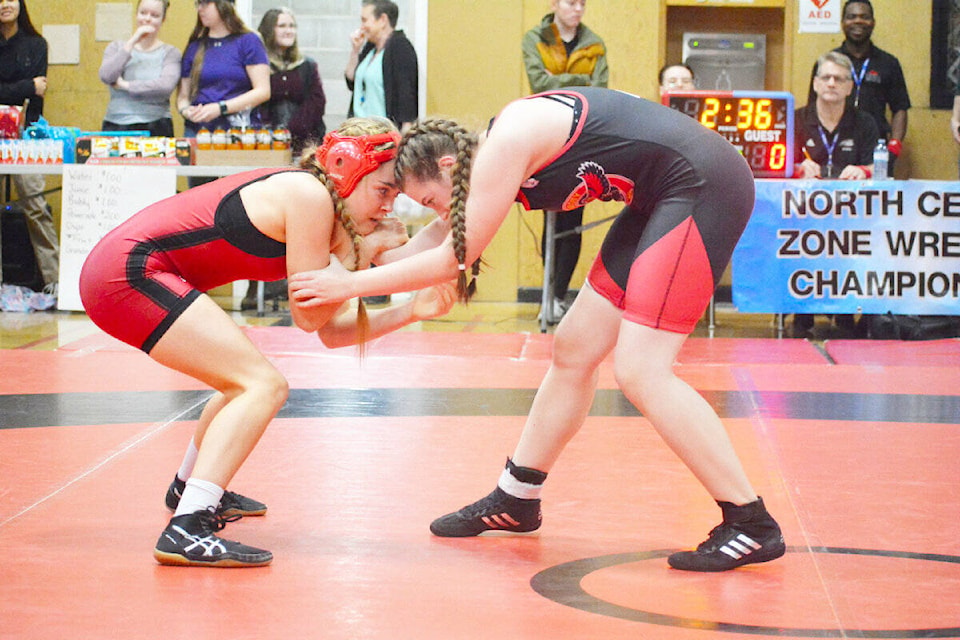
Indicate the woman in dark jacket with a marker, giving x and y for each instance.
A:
(382, 71)
(297, 101)
(23, 76)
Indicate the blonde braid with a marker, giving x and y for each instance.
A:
(309, 162)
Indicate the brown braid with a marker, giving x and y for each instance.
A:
(422, 146)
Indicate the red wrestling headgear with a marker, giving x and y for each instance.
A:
(346, 159)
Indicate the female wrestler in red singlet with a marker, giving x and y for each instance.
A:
(144, 283)
(687, 196)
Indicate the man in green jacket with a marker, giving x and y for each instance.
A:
(563, 52)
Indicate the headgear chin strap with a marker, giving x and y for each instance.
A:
(346, 159)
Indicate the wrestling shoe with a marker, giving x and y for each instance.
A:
(231, 504)
(498, 511)
(190, 541)
(748, 534)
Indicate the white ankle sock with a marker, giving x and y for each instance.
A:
(189, 459)
(518, 489)
(199, 495)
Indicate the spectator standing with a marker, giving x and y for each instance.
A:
(382, 72)
(23, 76)
(141, 73)
(878, 81)
(563, 52)
(224, 73)
(297, 101)
(834, 140)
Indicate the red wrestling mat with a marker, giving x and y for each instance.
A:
(290, 341)
(408, 359)
(86, 370)
(749, 351)
(925, 353)
(530, 346)
(351, 499)
(293, 341)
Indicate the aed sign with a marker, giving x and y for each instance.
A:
(820, 16)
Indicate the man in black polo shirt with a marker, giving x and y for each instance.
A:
(877, 76)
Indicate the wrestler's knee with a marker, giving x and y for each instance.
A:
(575, 349)
(265, 383)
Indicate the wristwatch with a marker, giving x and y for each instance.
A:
(223, 107)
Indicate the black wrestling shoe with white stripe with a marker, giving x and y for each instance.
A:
(190, 540)
(499, 511)
(748, 534)
(231, 504)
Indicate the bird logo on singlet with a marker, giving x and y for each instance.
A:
(596, 184)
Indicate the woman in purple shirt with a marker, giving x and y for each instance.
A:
(224, 75)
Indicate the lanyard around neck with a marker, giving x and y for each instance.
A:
(858, 80)
(830, 146)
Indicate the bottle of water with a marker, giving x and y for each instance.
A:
(881, 160)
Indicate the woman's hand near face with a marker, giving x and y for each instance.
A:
(357, 39)
(142, 32)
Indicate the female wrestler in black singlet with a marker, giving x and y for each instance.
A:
(687, 196)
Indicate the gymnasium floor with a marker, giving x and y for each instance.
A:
(854, 446)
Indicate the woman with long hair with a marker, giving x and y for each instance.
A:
(224, 74)
(144, 283)
(297, 101)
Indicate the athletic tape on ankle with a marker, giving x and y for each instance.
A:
(517, 489)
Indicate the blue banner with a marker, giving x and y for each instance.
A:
(829, 246)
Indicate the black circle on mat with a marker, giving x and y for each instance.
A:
(561, 583)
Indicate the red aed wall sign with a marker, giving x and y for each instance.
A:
(820, 16)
